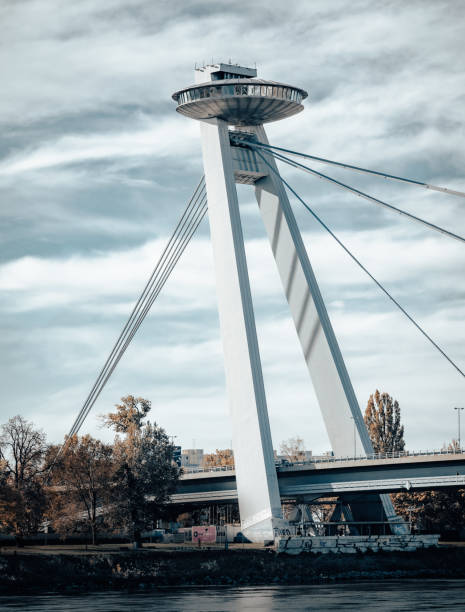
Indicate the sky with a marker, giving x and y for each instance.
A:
(96, 167)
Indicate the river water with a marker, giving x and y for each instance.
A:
(411, 595)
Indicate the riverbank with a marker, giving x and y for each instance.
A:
(151, 568)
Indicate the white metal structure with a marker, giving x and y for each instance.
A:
(226, 95)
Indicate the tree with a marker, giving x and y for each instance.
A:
(437, 511)
(3, 477)
(221, 458)
(440, 511)
(7, 497)
(83, 473)
(382, 418)
(145, 474)
(129, 414)
(22, 449)
(293, 449)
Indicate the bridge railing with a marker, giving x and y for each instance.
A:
(376, 456)
(216, 468)
(329, 459)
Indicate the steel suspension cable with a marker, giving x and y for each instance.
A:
(174, 258)
(79, 421)
(137, 322)
(185, 229)
(362, 194)
(185, 219)
(359, 263)
(153, 297)
(393, 177)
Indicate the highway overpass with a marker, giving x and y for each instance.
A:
(307, 481)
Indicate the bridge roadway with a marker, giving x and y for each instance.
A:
(307, 481)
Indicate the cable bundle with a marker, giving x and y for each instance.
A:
(185, 229)
(260, 148)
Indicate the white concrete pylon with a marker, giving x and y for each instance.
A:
(336, 397)
(257, 484)
(325, 363)
(226, 94)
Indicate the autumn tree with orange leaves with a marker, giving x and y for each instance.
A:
(82, 479)
(221, 458)
(145, 472)
(382, 418)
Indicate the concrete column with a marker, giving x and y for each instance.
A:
(331, 381)
(257, 485)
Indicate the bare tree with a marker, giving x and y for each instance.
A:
(6, 495)
(293, 449)
(22, 449)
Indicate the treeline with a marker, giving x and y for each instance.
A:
(87, 486)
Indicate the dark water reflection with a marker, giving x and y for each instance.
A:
(383, 596)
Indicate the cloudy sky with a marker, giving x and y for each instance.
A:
(96, 167)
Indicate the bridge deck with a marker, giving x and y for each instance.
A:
(312, 480)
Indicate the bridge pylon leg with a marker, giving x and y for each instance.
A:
(257, 484)
(331, 381)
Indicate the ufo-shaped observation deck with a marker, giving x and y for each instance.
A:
(240, 101)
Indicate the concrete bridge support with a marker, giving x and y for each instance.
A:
(257, 484)
(331, 381)
(230, 95)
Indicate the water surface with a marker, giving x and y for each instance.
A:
(411, 595)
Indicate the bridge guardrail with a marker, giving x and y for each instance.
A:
(219, 468)
(329, 459)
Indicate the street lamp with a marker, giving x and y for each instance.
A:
(459, 408)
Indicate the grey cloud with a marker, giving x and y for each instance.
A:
(88, 85)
